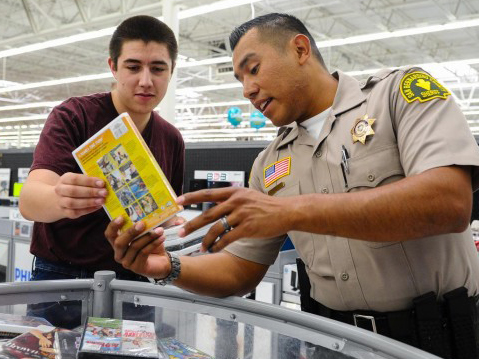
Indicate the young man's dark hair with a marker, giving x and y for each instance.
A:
(145, 28)
(273, 28)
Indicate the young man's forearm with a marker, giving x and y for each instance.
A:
(38, 202)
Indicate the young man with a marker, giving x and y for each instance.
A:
(68, 237)
(371, 180)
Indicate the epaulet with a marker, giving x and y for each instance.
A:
(376, 77)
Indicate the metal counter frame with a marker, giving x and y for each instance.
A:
(103, 295)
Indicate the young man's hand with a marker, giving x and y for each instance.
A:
(79, 194)
(145, 255)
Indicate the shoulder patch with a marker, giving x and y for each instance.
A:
(422, 87)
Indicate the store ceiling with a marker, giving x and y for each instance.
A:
(205, 36)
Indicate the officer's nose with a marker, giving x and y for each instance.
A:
(250, 89)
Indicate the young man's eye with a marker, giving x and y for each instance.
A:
(158, 69)
(133, 68)
(254, 70)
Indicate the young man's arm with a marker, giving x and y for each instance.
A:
(48, 197)
(218, 275)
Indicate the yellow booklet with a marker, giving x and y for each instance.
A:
(137, 187)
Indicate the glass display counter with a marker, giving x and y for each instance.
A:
(224, 328)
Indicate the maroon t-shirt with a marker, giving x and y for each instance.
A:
(81, 241)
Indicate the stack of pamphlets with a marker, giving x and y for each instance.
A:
(116, 338)
(55, 343)
(174, 349)
(12, 325)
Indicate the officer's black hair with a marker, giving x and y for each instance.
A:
(274, 28)
(145, 28)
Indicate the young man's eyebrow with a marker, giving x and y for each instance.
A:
(244, 61)
(136, 61)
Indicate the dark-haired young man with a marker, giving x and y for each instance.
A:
(68, 236)
(371, 180)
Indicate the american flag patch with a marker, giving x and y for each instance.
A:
(276, 170)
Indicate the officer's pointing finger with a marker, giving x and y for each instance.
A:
(206, 195)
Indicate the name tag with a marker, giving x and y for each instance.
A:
(275, 189)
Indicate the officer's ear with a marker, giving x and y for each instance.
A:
(302, 47)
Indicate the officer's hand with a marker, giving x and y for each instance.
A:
(79, 194)
(145, 255)
(250, 214)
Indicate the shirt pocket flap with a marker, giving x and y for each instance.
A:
(372, 169)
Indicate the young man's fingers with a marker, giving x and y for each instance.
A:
(67, 190)
(78, 179)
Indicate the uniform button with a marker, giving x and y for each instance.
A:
(325, 190)
(344, 276)
(318, 154)
(371, 177)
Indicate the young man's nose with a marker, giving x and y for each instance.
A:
(145, 78)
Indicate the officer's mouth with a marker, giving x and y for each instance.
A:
(264, 105)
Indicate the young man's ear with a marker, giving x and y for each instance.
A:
(113, 66)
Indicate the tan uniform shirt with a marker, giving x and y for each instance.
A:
(411, 135)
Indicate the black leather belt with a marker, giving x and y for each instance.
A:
(398, 325)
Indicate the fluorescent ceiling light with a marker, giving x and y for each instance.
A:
(215, 60)
(209, 88)
(398, 33)
(63, 81)
(24, 118)
(213, 104)
(184, 14)
(216, 6)
(30, 105)
(5, 83)
(463, 85)
(57, 42)
(472, 61)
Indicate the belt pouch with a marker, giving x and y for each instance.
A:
(461, 318)
(308, 304)
(431, 330)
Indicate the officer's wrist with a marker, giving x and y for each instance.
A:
(173, 273)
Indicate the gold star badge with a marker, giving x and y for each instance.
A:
(362, 128)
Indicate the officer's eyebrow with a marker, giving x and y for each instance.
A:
(243, 62)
